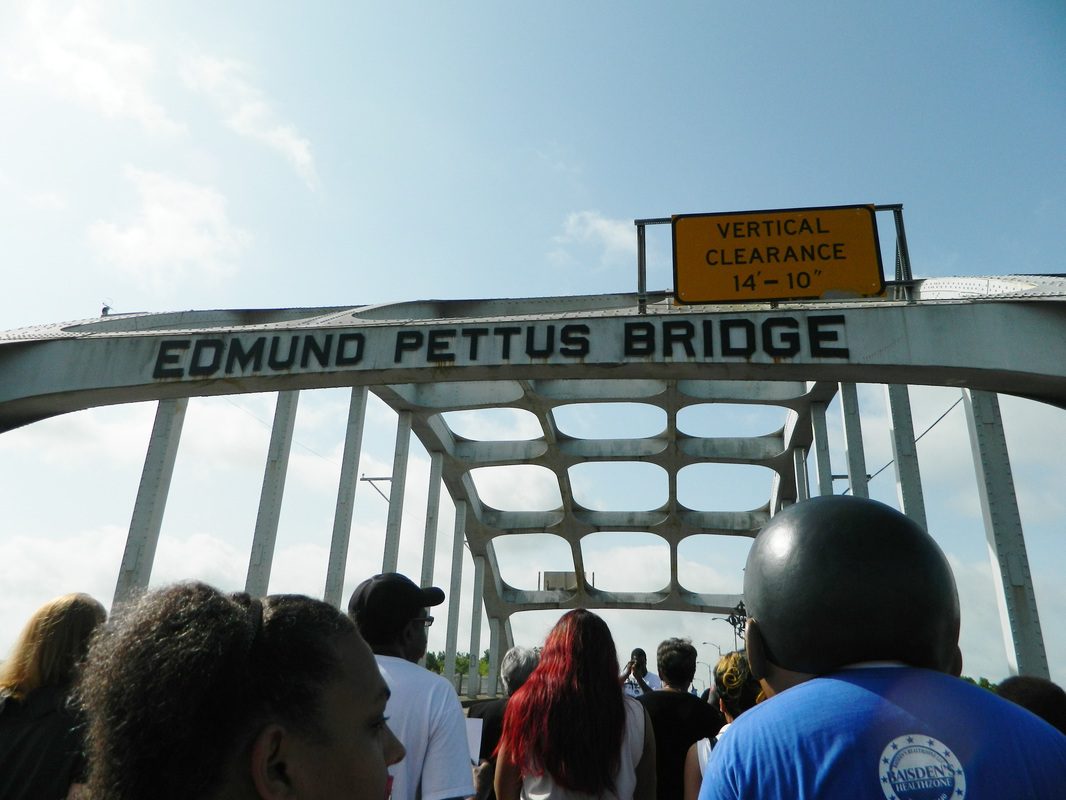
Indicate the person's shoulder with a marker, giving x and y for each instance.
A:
(658, 698)
(399, 670)
(486, 708)
(436, 682)
(45, 702)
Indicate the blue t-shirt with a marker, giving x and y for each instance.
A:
(887, 733)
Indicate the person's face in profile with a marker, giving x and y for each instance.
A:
(352, 756)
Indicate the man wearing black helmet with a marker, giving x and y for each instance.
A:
(853, 626)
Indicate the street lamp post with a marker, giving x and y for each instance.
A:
(715, 646)
(710, 674)
(729, 621)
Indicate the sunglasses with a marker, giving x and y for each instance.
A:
(426, 621)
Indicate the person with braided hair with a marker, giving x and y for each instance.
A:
(736, 690)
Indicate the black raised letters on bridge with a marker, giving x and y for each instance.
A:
(679, 340)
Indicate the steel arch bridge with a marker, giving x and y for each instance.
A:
(425, 359)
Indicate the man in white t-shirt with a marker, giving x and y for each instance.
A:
(636, 680)
(423, 710)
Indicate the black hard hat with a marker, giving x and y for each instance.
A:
(839, 580)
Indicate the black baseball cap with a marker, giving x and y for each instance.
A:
(383, 604)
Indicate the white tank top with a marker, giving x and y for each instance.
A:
(543, 787)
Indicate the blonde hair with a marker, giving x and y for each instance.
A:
(51, 645)
(735, 685)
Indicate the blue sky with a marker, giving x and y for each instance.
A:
(160, 157)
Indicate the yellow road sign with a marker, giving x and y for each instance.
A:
(794, 254)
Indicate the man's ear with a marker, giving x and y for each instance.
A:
(758, 662)
(411, 641)
(270, 771)
(773, 678)
(755, 650)
(956, 663)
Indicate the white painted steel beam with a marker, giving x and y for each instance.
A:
(454, 589)
(821, 449)
(853, 451)
(396, 494)
(342, 516)
(1020, 620)
(905, 454)
(494, 656)
(956, 341)
(266, 523)
(429, 540)
(147, 520)
(474, 682)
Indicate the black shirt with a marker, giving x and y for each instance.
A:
(679, 719)
(40, 746)
(490, 712)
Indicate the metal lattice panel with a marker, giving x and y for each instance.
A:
(671, 450)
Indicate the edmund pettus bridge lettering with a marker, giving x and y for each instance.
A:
(702, 339)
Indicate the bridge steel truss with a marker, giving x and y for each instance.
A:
(425, 359)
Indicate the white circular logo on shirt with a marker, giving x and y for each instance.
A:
(917, 767)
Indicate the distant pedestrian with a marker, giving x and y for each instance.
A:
(636, 680)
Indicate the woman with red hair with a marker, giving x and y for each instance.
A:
(569, 732)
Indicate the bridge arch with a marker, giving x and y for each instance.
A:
(432, 360)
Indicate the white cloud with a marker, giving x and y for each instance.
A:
(230, 434)
(981, 639)
(248, 112)
(71, 53)
(494, 424)
(181, 232)
(518, 487)
(34, 569)
(612, 240)
(628, 567)
(82, 439)
(47, 201)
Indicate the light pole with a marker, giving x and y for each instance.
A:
(731, 624)
(710, 674)
(716, 647)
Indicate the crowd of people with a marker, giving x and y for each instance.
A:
(848, 686)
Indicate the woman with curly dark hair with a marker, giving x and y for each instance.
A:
(192, 693)
(569, 732)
